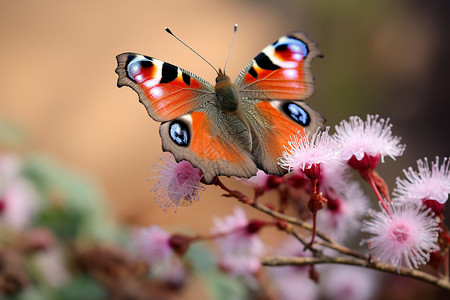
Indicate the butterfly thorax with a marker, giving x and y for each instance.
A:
(226, 92)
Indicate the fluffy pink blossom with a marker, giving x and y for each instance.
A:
(405, 237)
(426, 184)
(178, 184)
(369, 140)
(240, 248)
(307, 152)
(19, 199)
(341, 216)
(153, 247)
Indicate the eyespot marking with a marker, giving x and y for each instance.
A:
(303, 45)
(138, 68)
(297, 113)
(179, 133)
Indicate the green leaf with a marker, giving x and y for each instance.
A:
(62, 221)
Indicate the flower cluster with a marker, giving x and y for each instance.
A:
(358, 143)
(405, 232)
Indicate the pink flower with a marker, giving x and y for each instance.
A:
(405, 237)
(262, 182)
(340, 282)
(153, 246)
(178, 184)
(426, 184)
(344, 209)
(259, 181)
(293, 282)
(367, 140)
(239, 246)
(18, 197)
(307, 153)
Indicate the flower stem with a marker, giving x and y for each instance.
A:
(375, 265)
(377, 192)
(313, 231)
(232, 193)
(326, 241)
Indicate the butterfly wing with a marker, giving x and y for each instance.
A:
(216, 142)
(280, 71)
(270, 87)
(273, 123)
(165, 90)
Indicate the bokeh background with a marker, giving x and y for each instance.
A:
(58, 83)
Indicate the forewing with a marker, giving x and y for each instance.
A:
(280, 71)
(165, 90)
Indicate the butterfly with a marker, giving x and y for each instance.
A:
(230, 129)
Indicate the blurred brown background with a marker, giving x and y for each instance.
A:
(58, 82)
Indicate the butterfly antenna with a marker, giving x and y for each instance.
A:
(231, 46)
(170, 32)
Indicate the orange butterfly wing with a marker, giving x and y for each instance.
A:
(270, 87)
(165, 90)
(281, 70)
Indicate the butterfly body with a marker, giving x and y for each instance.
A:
(230, 129)
(227, 93)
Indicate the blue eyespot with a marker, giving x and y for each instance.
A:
(296, 113)
(179, 133)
